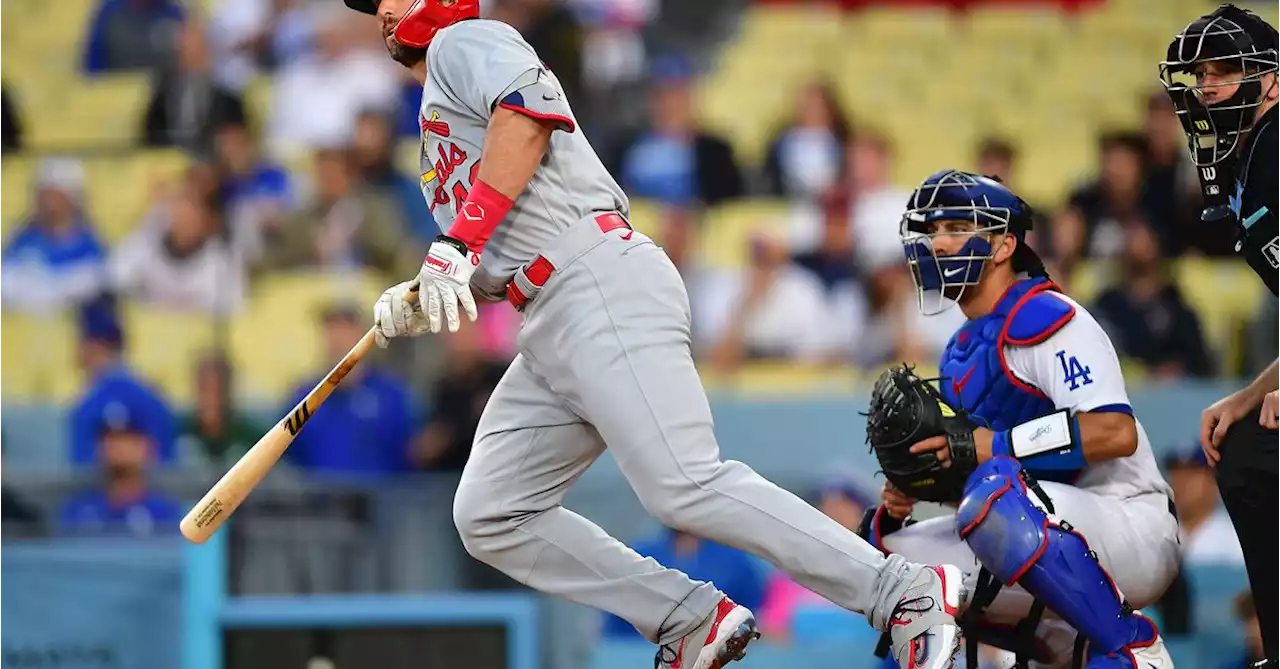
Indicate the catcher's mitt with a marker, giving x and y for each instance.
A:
(906, 410)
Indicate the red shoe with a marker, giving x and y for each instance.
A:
(720, 639)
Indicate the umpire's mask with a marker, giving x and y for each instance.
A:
(1242, 48)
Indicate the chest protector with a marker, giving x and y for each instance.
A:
(975, 375)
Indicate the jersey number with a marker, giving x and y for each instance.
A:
(1075, 374)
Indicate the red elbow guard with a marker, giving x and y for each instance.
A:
(479, 216)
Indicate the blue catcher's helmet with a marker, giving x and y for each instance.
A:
(952, 195)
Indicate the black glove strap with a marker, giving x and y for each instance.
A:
(964, 452)
(445, 239)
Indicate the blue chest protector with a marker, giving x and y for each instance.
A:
(1013, 538)
(974, 374)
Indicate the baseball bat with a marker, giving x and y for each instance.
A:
(221, 501)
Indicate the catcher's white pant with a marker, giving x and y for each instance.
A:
(605, 361)
(1136, 540)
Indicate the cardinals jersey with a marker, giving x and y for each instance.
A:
(473, 68)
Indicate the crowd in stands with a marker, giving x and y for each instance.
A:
(824, 283)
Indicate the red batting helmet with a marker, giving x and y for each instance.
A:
(423, 18)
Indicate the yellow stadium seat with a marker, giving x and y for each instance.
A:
(105, 111)
(1226, 295)
(164, 346)
(724, 238)
(769, 378)
(16, 198)
(38, 361)
(273, 346)
(646, 217)
(121, 188)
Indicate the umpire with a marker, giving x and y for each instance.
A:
(1220, 72)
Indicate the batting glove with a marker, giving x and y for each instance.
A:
(398, 314)
(445, 282)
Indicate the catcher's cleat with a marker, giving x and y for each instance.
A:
(720, 639)
(923, 625)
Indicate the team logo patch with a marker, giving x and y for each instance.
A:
(433, 125)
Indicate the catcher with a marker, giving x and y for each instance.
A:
(1030, 436)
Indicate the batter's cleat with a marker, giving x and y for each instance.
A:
(1145, 651)
(923, 625)
(720, 639)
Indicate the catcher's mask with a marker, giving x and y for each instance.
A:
(424, 18)
(1244, 45)
(952, 195)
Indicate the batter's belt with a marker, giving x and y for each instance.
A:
(579, 238)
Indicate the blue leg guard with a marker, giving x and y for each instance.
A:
(1020, 545)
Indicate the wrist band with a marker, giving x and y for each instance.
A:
(479, 216)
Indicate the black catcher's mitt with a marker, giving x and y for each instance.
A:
(906, 410)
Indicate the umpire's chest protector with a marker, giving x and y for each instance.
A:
(975, 375)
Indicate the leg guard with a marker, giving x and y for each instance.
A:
(1022, 545)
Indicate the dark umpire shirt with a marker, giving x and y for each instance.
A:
(1254, 201)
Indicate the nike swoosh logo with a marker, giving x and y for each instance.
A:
(549, 98)
(1253, 218)
(959, 384)
(952, 272)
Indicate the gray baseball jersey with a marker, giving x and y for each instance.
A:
(473, 67)
(604, 362)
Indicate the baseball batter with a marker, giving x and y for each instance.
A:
(533, 217)
(1064, 499)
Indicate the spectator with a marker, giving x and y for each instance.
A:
(132, 35)
(365, 425)
(239, 39)
(187, 104)
(318, 96)
(877, 205)
(1147, 317)
(110, 383)
(214, 431)
(1253, 655)
(372, 151)
(255, 193)
(18, 518)
(843, 499)
(1171, 192)
(458, 397)
(178, 260)
(1092, 224)
(125, 504)
(347, 225)
(1207, 536)
(54, 260)
(806, 158)
(10, 127)
(774, 310)
(734, 572)
(676, 163)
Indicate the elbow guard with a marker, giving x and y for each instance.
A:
(1048, 447)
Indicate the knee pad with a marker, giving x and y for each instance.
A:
(1021, 544)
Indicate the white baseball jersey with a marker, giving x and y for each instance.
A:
(474, 67)
(1058, 367)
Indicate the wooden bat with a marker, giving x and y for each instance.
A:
(222, 499)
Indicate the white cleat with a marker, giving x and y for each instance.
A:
(720, 639)
(923, 625)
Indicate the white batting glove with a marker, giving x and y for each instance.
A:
(445, 282)
(395, 316)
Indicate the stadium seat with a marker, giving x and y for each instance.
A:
(38, 356)
(725, 233)
(16, 198)
(1226, 295)
(276, 342)
(121, 188)
(164, 346)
